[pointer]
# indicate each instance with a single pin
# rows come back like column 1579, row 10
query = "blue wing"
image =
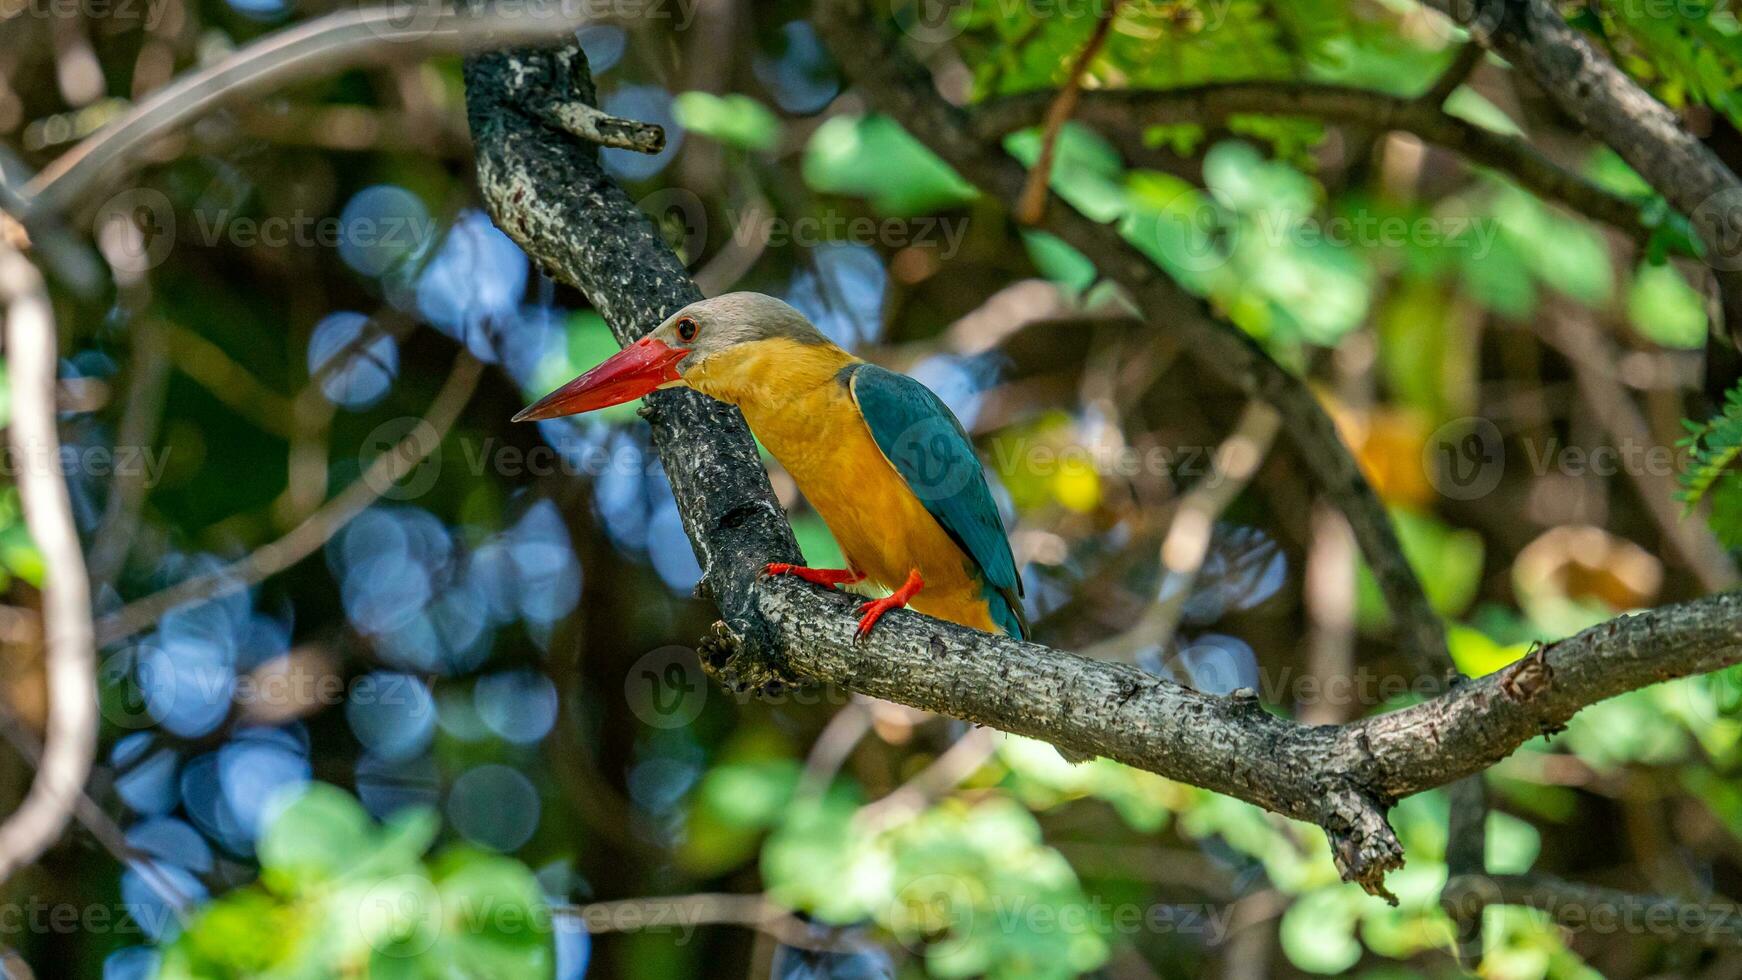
column 926, row 445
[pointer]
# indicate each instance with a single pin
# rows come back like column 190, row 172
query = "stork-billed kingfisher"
column 880, row 457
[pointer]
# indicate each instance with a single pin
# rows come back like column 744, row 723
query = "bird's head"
column 709, row 346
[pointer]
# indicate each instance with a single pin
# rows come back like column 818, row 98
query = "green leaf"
column 496, row 922
column 320, row 836
column 1058, row 261
column 1665, row 309
column 1318, row 931
column 1511, row 844
column 735, row 119
column 874, row 158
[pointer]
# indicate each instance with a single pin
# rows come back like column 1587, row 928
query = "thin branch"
column 70, row 663
column 1031, row 204
column 1188, row 538
column 834, row 744
column 229, row 382
column 944, row 774
column 314, row 531
column 101, row 826
column 1533, row 36
column 685, row 912
column 1592, row 357
column 1579, row 907
column 899, row 86
column 1456, row 74
column 316, row 49
column 1131, row 110
column 147, row 374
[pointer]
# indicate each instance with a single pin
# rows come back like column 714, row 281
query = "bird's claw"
column 870, row 612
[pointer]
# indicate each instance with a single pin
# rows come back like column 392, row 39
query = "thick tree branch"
column 1132, row 110
column 548, row 192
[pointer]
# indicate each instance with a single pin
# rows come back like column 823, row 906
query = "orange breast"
column 807, row 419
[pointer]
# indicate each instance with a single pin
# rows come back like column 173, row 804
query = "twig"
column 93, row 818
column 832, row 747
column 945, row 773
column 685, row 912
column 1456, row 73
column 1188, row 538
column 1716, row 923
column 147, row 373
column 1592, row 357
column 229, row 382
column 593, row 125
column 1466, row 854
column 318, row 48
column 314, row 531
column 1031, row 205
column 70, row 734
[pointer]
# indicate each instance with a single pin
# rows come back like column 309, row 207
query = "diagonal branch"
column 549, row 193
column 1031, row 206
column 320, row 47
column 317, row 528
column 1532, row 35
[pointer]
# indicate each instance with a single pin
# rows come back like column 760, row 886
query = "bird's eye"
column 686, row 329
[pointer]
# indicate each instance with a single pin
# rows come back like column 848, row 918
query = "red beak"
column 624, row 376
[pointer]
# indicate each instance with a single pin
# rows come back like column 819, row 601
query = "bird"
column 877, row 454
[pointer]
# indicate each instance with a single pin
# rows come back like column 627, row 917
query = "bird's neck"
column 769, row 376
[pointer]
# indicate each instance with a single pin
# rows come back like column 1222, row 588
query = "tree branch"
column 1031, row 205
column 70, row 661
column 318, row 48
column 1532, row 35
column 1580, row 907
column 314, row 531
column 1134, row 109
column 549, row 193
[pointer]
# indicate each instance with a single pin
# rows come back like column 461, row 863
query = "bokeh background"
column 467, row 733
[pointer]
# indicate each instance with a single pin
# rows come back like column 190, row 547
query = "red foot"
column 872, row 611
column 816, row 576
